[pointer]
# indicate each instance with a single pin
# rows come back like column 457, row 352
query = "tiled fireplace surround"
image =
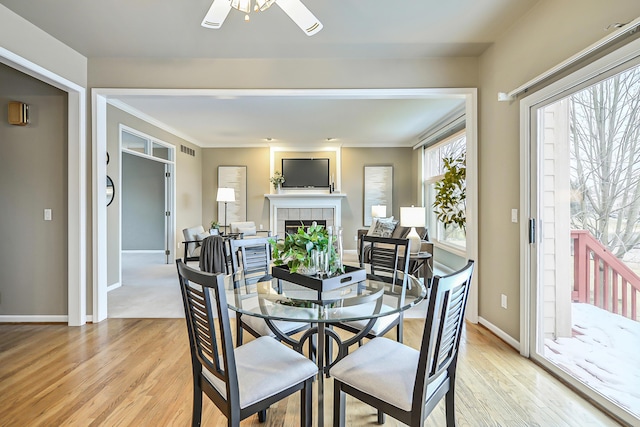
column 304, row 206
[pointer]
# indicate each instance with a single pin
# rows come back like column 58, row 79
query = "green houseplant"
column 295, row 250
column 450, row 198
column 215, row 226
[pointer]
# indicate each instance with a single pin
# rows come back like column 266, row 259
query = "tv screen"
column 304, row 173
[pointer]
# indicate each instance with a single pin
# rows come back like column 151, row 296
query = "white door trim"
column 76, row 181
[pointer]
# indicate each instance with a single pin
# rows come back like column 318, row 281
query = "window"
column 137, row 143
column 451, row 147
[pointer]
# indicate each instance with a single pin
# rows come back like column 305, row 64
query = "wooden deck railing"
column 601, row 279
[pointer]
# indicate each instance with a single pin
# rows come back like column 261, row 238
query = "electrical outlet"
column 47, row 214
column 355, row 238
column 260, row 226
column 514, row 215
column 503, row 301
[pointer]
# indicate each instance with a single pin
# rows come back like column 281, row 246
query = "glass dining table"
column 275, row 300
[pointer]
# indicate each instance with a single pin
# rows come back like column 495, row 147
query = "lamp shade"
column 226, row 195
column 412, row 217
column 378, row 211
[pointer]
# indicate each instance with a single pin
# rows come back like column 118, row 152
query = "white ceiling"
column 352, row 29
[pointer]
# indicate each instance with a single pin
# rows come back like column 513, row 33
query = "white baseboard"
column 36, row 318
column 500, row 333
column 143, row 251
column 114, row 286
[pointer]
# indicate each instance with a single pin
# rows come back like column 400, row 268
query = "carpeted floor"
column 150, row 289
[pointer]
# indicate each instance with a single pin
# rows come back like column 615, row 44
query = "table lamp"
column 225, row 195
column 413, row 217
column 378, row 211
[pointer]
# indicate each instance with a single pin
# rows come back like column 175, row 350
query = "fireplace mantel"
column 310, row 204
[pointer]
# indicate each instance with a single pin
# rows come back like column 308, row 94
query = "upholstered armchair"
column 247, row 229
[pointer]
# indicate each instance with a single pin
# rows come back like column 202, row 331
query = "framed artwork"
column 233, row 177
column 378, row 189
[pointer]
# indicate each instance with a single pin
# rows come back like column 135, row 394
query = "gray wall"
column 143, row 204
column 33, row 176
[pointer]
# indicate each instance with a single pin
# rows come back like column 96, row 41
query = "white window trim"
column 433, row 223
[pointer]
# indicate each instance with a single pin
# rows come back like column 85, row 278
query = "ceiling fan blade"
column 217, row 14
column 302, row 16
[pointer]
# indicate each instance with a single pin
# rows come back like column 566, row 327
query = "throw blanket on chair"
column 212, row 255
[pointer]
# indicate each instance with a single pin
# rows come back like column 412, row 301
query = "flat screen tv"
column 305, row 173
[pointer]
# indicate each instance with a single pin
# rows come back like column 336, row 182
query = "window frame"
column 436, row 227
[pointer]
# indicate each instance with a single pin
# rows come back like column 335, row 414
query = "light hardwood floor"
column 136, row 372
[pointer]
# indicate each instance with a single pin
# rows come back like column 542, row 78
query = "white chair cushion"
column 260, row 326
column 265, row 367
column 384, row 369
column 366, row 309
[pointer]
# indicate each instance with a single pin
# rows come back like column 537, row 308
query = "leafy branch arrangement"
column 277, row 179
column 450, row 200
column 295, row 249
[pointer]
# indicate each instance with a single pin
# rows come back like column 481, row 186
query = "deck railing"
column 601, row 279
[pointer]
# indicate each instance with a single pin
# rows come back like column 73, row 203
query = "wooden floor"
column 130, row 372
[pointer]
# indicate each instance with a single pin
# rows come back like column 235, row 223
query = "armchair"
column 247, row 229
column 193, row 237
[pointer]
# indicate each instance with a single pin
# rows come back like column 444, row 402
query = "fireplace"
column 291, row 226
column 304, row 207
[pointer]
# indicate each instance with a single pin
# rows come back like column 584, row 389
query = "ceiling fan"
column 297, row 11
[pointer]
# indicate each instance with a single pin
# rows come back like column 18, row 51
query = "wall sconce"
column 18, row 113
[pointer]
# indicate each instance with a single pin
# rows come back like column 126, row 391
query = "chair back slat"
column 443, row 329
column 250, row 255
column 387, row 256
column 209, row 336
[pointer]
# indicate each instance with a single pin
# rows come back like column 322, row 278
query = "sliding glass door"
column 584, row 251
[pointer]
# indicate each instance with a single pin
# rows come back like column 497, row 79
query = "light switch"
column 47, row 214
column 514, row 215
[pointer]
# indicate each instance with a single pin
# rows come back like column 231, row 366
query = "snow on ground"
column 604, row 353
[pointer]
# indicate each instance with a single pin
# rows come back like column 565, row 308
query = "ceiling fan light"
column 263, row 5
column 241, row 5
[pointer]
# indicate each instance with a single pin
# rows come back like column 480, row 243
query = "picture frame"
column 378, row 189
column 233, row 177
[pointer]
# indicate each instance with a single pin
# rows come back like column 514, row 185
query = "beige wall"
column 550, row 33
column 353, row 162
column 25, row 39
column 33, row 177
column 257, row 162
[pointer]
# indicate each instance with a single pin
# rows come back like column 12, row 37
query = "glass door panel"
column 587, row 176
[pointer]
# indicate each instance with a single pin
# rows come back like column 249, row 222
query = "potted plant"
column 296, row 249
column 450, row 200
column 277, row 180
column 214, row 229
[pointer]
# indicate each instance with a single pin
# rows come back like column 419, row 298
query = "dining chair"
column 387, row 263
column 410, row 388
column 253, row 258
column 243, row 381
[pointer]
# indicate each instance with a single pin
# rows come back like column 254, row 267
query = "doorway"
column 146, row 227
column 583, row 255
